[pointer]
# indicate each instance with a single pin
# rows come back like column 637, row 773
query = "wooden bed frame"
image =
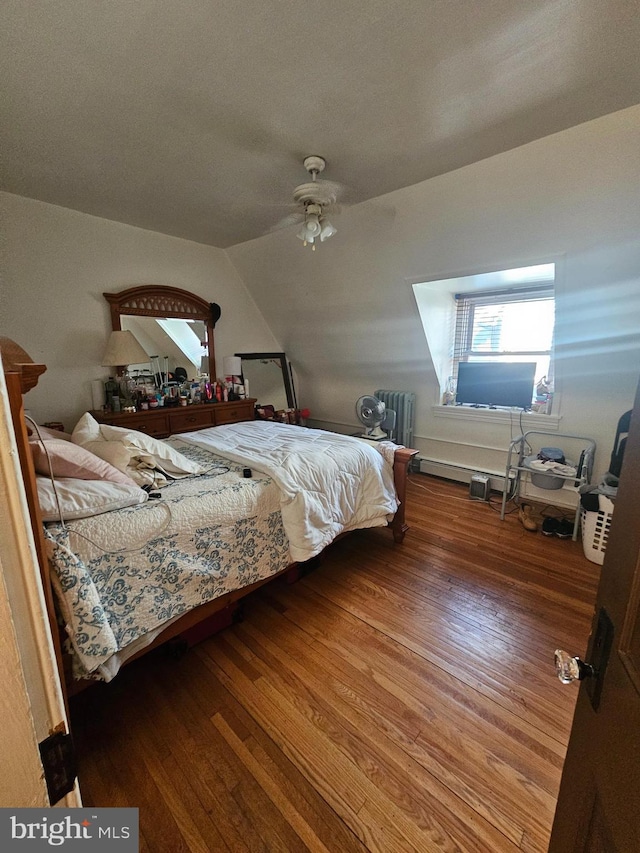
column 21, row 374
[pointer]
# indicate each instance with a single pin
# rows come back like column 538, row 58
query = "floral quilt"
column 120, row 577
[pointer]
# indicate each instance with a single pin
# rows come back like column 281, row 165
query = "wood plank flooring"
column 398, row 698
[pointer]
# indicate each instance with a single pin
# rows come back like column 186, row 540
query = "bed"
column 260, row 499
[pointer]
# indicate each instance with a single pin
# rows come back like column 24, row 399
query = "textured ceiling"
column 192, row 118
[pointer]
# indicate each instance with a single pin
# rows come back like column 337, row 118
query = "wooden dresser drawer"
column 152, row 426
column 191, row 418
column 231, row 413
column 165, row 421
column 152, row 423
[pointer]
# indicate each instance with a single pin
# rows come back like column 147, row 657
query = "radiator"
column 403, row 404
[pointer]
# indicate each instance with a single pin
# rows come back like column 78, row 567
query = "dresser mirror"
column 269, row 379
column 169, row 322
column 179, row 340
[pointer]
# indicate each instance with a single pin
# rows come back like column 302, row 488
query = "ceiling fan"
column 313, row 201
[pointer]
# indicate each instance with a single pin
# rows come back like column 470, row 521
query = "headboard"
column 22, row 374
column 156, row 300
column 16, row 360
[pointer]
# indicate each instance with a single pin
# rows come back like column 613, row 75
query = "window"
column 514, row 325
column 503, row 316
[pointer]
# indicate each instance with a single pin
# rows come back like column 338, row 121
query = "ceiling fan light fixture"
column 327, row 230
column 314, row 196
column 308, row 231
column 312, row 224
column 312, row 227
column 306, row 237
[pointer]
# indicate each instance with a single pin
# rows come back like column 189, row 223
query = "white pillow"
column 83, row 498
column 125, row 448
column 87, row 429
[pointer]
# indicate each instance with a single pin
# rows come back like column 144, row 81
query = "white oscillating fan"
column 373, row 414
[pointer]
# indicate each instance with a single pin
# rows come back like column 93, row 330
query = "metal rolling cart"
column 521, row 453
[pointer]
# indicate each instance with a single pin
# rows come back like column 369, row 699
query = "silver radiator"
column 403, row 404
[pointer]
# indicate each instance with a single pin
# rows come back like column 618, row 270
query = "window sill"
column 528, row 420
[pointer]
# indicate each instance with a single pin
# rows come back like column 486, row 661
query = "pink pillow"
column 70, row 460
column 46, row 434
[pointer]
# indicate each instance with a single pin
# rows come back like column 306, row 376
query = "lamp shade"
column 232, row 365
column 327, row 230
column 123, row 349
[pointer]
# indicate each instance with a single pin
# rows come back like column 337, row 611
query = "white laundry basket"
column 595, row 530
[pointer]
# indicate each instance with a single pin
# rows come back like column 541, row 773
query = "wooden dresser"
column 166, row 421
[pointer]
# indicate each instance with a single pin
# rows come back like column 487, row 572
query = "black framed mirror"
column 269, row 379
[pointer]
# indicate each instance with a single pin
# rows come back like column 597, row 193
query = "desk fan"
column 373, row 414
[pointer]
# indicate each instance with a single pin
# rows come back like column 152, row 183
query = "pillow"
column 127, row 448
column 87, row 429
column 46, row 434
column 84, row 498
column 71, row 460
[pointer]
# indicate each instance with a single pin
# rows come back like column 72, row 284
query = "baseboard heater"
column 459, row 473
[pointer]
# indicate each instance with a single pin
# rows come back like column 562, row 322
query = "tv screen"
column 498, row 384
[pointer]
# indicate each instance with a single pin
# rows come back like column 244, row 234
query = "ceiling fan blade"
column 331, row 187
column 282, row 205
column 317, row 197
column 292, row 219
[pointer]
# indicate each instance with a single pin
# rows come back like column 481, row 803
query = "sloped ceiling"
column 192, row 118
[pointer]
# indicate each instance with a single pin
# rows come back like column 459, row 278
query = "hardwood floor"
column 398, row 698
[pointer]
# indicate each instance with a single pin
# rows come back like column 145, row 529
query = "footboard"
column 402, row 459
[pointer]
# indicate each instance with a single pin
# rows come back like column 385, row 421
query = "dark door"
column 599, row 803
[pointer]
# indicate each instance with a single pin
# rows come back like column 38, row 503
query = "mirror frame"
column 284, row 364
column 157, row 300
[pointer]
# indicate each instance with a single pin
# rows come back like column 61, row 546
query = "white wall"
column 58, row 263
column 346, row 315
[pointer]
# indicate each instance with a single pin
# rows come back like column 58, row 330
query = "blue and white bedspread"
column 123, row 576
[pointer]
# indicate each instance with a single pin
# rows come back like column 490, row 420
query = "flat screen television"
column 507, row 384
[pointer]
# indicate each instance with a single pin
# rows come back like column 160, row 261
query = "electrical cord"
column 463, row 500
column 557, row 512
column 496, row 506
column 51, row 477
column 438, row 494
column 138, row 548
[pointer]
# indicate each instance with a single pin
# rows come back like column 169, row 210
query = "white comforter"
column 329, row 483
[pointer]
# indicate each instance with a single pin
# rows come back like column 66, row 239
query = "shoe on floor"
column 564, row 529
column 550, row 526
column 524, row 515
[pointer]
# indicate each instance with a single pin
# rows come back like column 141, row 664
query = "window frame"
column 466, row 304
